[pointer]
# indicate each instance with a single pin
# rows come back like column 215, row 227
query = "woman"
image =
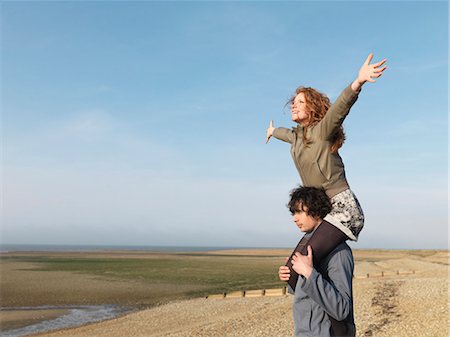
column 314, row 147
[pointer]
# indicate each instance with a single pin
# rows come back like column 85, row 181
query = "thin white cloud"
column 89, row 138
column 417, row 126
column 422, row 67
column 88, row 125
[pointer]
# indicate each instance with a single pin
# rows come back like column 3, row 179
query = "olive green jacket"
column 316, row 164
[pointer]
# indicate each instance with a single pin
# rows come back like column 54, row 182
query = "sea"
column 5, row 248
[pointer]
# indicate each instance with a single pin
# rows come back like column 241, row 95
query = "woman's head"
column 308, row 107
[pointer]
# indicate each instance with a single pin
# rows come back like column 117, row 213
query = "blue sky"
column 144, row 122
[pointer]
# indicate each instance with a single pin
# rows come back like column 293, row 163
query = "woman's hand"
column 284, row 273
column 368, row 72
column 269, row 131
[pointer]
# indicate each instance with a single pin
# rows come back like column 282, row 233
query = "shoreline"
column 35, row 320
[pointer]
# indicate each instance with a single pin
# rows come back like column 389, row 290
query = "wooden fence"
column 251, row 293
column 283, row 291
column 386, row 274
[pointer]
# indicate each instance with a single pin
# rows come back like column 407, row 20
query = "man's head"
column 308, row 206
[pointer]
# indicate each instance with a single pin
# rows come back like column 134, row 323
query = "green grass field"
column 50, row 280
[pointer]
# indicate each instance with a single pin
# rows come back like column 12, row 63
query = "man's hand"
column 284, row 273
column 302, row 264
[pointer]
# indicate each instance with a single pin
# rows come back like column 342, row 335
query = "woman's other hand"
column 269, row 131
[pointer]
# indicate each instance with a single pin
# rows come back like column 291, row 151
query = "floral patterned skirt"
column 346, row 214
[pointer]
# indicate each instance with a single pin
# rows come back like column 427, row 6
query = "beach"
column 396, row 293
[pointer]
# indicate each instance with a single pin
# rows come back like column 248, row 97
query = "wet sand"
column 18, row 318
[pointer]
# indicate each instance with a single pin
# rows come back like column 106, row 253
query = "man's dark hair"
column 314, row 199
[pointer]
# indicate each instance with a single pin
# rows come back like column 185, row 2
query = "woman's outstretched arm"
column 368, row 72
column 341, row 107
column 269, row 132
column 284, row 134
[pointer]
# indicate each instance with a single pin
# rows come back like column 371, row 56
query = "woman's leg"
column 324, row 239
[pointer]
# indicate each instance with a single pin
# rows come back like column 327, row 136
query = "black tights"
column 325, row 238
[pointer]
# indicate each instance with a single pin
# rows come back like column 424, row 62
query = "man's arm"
column 335, row 295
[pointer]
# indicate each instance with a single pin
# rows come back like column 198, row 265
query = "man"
column 323, row 300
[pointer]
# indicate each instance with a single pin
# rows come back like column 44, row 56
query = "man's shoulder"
column 343, row 246
column 342, row 251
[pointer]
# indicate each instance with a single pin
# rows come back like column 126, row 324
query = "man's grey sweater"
column 328, row 292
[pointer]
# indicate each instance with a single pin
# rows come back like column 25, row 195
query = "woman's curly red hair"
column 318, row 105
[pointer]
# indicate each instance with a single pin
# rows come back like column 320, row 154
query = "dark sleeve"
column 333, row 296
column 337, row 112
